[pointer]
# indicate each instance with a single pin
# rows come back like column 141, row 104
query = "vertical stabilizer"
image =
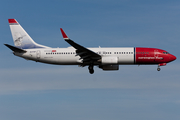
column 21, row 38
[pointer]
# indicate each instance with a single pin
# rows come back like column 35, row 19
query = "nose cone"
column 172, row 58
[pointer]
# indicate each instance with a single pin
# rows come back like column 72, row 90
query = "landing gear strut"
column 158, row 69
column 91, row 70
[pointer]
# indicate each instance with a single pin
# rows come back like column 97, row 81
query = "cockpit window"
column 165, row 52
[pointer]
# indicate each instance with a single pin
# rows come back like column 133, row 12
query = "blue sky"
column 30, row 90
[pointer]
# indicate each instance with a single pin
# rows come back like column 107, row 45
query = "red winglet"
column 64, row 34
column 12, row 21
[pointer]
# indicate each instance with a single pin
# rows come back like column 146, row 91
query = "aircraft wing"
column 84, row 53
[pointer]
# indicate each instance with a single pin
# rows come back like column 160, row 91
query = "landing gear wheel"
column 158, row 69
column 91, row 70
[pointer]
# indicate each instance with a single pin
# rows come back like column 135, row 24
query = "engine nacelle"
column 109, row 67
column 109, row 60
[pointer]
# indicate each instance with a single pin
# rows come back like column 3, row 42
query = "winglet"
column 64, row 34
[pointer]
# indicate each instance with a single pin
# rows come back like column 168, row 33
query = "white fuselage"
column 67, row 56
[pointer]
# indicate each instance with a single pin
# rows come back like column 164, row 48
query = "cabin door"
column 38, row 54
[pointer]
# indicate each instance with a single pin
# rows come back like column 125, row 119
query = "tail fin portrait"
column 21, row 38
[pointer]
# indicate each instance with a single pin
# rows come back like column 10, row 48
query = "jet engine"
column 109, row 60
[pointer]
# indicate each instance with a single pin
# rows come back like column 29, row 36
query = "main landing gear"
column 91, row 70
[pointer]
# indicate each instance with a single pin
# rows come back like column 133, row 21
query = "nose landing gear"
column 158, row 69
column 161, row 64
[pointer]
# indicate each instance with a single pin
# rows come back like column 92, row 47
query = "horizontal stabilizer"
column 15, row 49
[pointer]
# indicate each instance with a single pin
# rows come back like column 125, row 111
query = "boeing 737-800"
column 104, row 58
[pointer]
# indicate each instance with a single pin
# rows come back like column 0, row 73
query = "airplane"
column 105, row 58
